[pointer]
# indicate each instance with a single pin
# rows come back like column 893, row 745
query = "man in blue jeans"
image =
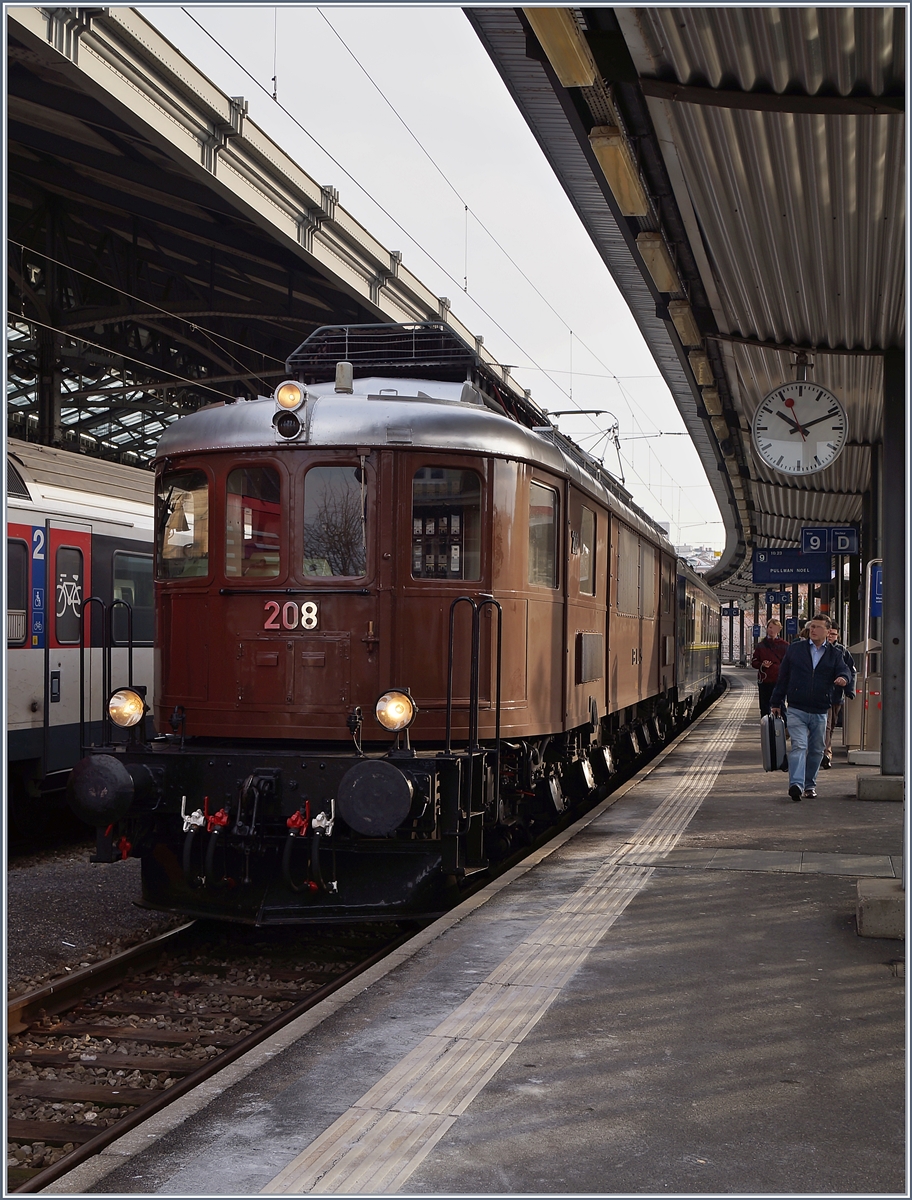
column 809, row 673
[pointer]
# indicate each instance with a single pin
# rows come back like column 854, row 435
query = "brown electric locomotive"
column 402, row 625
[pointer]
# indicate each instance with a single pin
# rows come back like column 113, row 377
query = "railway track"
column 95, row 1054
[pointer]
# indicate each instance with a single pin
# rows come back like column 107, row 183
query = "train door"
column 667, row 623
column 585, row 613
column 69, row 583
column 442, row 552
column 544, row 584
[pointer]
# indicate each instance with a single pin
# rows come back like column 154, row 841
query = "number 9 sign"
column 814, row 540
column 290, row 615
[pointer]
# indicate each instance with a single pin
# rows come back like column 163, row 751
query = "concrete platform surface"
column 670, row 998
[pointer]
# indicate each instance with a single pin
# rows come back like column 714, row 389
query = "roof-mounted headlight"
column 290, row 395
column 395, row 710
column 126, row 708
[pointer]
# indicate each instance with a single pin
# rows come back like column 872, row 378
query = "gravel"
column 64, row 911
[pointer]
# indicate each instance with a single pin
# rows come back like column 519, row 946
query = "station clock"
column 799, row 428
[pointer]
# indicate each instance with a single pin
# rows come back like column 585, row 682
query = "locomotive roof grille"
column 416, row 350
column 432, row 349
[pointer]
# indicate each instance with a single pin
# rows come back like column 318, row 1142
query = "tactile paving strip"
column 375, row 1146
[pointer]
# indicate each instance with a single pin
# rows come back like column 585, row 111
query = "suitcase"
column 772, row 742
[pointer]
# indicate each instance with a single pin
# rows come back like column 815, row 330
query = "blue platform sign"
column 790, row 566
column 730, row 612
column 755, row 631
column 877, row 590
column 844, row 540
column 829, row 539
column 774, row 598
column 815, row 540
column 791, row 626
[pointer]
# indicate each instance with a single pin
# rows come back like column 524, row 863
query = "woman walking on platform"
column 768, row 654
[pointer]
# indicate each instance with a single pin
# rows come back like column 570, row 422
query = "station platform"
column 669, row 998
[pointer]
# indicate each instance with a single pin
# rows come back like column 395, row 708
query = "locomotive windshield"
column 252, row 523
column 446, row 524
column 335, row 521
column 182, row 524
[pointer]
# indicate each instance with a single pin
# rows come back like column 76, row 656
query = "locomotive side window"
column 182, row 524
column 17, row 561
column 253, row 516
column 133, row 584
column 68, row 590
column 542, row 536
column 628, row 562
column 335, row 521
column 446, row 524
column 587, row 553
column 647, row 581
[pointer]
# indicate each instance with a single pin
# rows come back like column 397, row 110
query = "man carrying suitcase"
column 808, row 676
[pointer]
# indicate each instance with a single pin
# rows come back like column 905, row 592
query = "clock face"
column 799, row 428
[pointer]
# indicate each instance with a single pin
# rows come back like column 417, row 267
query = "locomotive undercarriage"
column 274, row 834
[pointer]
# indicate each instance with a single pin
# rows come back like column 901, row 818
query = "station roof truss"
column 741, row 171
column 163, row 252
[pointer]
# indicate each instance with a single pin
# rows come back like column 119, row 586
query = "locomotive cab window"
column 446, row 524
column 182, row 522
column 335, row 521
column 542, row 536
column 17, row 587
column 253, row 523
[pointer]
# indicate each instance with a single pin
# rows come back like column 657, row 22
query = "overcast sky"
column 341, row 71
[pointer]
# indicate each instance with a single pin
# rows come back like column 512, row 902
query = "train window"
column 628, row 578
column 133, row 584
column 182, row 522
column 17, row 586
column 335, row 519
column 253, row 516
column 647, row 581
column 587, row 553
column 68, row 576
column 446, row 524
column 668, row 583
column 542, row 536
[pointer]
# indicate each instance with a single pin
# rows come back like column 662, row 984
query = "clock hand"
column 791, row 421
column 816, row 421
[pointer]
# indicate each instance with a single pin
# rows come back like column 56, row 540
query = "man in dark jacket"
column 808, row 675
column 768, row 654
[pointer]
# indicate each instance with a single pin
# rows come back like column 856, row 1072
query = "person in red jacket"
column 768, row 654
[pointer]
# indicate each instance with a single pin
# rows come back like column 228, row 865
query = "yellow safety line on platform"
column 375, row 1146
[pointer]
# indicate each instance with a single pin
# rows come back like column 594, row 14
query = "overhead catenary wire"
column 411, row 238
column 368, row 194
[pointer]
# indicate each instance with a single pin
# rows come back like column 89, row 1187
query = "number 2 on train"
column 290, row 616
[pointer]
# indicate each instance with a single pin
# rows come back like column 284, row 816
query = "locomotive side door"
column 586, row 608
column 443, row 552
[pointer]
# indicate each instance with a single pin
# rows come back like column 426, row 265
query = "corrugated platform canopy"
column 742, row 172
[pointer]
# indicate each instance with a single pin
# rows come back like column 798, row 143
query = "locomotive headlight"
column 395, row 710
column 126, row 708
column 289, row 395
